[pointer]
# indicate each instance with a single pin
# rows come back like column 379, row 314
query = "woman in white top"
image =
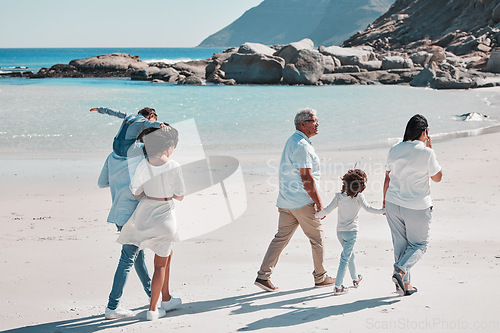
column 157, row 181
column 410, row 166
column 349, row 201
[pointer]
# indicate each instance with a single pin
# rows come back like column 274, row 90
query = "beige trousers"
column 289, row 220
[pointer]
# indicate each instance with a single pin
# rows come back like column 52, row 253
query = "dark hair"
column 157, row 141
column 146, row 112
column 354, row 182
column 416, row 125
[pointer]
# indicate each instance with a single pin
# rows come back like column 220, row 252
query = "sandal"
column 400, row 286
column 340, row 291
column 355, row 283
column 411, row 291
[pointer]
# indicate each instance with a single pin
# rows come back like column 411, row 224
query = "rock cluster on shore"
column 423, row 43
column 300, row 63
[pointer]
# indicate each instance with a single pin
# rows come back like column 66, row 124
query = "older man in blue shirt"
column 298, row 201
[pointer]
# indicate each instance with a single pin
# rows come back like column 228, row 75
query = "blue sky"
column 115, row 23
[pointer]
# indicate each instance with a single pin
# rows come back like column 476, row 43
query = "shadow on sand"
column 238, row 304
column 305, row 315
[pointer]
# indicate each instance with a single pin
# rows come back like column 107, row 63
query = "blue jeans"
column 347, row 239
column 130, row 256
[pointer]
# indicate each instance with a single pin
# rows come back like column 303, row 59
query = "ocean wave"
column 455, row 134
column 13, row 67
column 15, row 136
column 170, row 61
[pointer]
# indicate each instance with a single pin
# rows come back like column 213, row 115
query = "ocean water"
column 52, row 115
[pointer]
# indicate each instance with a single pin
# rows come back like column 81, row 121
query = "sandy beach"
column 58, row 254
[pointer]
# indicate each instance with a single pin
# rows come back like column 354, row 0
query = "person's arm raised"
column 110, row 112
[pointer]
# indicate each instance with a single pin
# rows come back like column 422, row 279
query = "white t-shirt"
column 348, row 210
column 411, row 164
column 158, row 181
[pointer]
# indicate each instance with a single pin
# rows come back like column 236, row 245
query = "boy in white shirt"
column 349, row 201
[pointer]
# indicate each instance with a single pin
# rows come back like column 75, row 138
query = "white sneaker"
column 153, row 315
column 172, row 304
column 117, row 313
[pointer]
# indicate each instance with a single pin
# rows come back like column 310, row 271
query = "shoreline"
column 251, row 150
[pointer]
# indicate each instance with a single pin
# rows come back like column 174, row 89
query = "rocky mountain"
column 325, row 22
column 460, row 26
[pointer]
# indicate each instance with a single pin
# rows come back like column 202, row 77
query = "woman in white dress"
column 157, row 182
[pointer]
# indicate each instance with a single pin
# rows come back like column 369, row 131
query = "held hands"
column 319, row 208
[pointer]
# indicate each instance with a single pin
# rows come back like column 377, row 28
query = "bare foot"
column 408, row 286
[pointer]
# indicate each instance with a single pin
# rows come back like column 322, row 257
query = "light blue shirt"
column 298, row 153
column 116, row 174
column 138, row 122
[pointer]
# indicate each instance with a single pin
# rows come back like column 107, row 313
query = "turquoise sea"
column 39, row 116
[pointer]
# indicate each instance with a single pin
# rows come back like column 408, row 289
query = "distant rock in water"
column 107, row 65
column 472, row 116
column 325, row 22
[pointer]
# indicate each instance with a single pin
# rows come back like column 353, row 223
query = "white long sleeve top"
column 348, row 210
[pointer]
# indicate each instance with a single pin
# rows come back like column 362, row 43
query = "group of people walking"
column 407, row 204
column 145, row 181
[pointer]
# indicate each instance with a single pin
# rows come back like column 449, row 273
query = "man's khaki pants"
column 289, row 220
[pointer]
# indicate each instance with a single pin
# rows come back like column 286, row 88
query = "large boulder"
column 338, row 79
column 306, row 67
column 114, row 64
column 58, row 70
column 396, row 62
column 438, row 54
column 253, row 68
column 390, row 78
column 348, row 69
column 494, row 61
column 195, row 67
column 328, row 64
column 349, row 55
column 463, row 45
column 256, row 48
column 144, row 74
column 451, row 83
column 372, row 65
column 425, row 77
column 192, row 80
column 421, row 58
column 166, row 74
column 289, row 51
column 368, row 78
